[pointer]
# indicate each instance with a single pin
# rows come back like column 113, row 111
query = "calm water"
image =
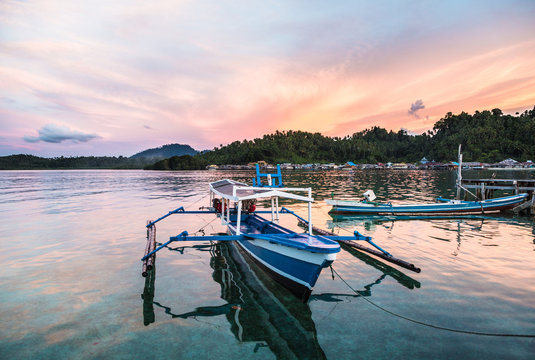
column 70, row 284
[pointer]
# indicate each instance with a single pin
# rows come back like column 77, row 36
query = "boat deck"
column 259, row 228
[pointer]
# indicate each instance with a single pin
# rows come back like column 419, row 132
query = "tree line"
column 486, row 136
column 21, row 162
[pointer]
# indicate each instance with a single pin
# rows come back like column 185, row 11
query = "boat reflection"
column 258, row 309
column 371, row 221
column 386, row 269
column 457, row 224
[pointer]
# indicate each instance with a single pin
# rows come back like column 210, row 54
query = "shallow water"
column 70, row 285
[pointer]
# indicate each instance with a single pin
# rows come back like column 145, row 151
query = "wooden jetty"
column 485, row 188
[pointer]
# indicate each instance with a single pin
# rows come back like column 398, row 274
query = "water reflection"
column 387, row 270
column 369, row 221
column 485, row 226
column 258, row 310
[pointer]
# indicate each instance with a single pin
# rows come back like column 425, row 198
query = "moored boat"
column 293, row 259
column 443, row 207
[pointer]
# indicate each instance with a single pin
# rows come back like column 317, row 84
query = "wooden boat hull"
column 448, row 207
column 294, row 268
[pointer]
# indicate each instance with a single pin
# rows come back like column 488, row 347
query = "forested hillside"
column 21, row 162
column 487, row 136
column 166, row 151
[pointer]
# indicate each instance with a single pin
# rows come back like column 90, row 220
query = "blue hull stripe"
column 473, row 207
column 305, row 272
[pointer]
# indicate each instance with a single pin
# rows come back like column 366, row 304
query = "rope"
column 427, row 324
column 201, row 230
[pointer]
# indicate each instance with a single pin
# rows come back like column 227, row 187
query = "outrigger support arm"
column 181, row 210
column 368, row 239
column 358, row 236
column 183, row 236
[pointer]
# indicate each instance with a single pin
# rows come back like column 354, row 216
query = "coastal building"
column 509, row 163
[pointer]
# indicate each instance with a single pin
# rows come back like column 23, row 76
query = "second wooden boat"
column 443, row 207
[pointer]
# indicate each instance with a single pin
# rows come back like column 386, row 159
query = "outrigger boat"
column 442, row 208
column 295, row 260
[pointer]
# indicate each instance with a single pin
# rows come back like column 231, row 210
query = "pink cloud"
column 206, row 75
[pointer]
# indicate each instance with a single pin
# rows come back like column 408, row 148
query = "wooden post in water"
column 152, row 241
column 151, row 245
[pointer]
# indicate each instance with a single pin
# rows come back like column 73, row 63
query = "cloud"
column 418, row 105
column 53, row 133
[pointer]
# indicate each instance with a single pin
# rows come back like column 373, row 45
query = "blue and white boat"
column 441, row 208
column 293, row 259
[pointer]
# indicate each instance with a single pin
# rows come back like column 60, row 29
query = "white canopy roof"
column 237, row 191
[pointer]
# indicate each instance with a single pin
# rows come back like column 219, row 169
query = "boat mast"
column 459, row 174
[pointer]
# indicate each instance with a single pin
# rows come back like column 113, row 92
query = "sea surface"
column 71, row 284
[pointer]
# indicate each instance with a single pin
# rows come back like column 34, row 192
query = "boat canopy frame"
column 236, row 192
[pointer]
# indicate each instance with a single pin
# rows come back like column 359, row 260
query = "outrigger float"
column 295, row 260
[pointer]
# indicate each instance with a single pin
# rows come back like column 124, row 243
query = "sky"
column 118, row 77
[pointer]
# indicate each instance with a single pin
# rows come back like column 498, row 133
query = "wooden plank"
column 488, row 187
column 523, row 206
column 498, row 180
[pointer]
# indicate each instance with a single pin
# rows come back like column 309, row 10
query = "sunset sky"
column 117, row 77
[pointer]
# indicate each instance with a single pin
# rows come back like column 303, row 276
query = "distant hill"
column 138, row 161
column 166, row 151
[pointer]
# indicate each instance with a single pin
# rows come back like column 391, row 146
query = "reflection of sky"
column 143, row 74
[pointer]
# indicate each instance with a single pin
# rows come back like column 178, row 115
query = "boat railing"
column 273, row 180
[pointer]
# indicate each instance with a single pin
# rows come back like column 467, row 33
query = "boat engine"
column 369, row 195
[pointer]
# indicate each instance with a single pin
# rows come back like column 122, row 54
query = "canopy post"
column 228, row 211
column 310, row 212
column 238, row 220
column 223, row 211
column 272, row 209
column 277, row 209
